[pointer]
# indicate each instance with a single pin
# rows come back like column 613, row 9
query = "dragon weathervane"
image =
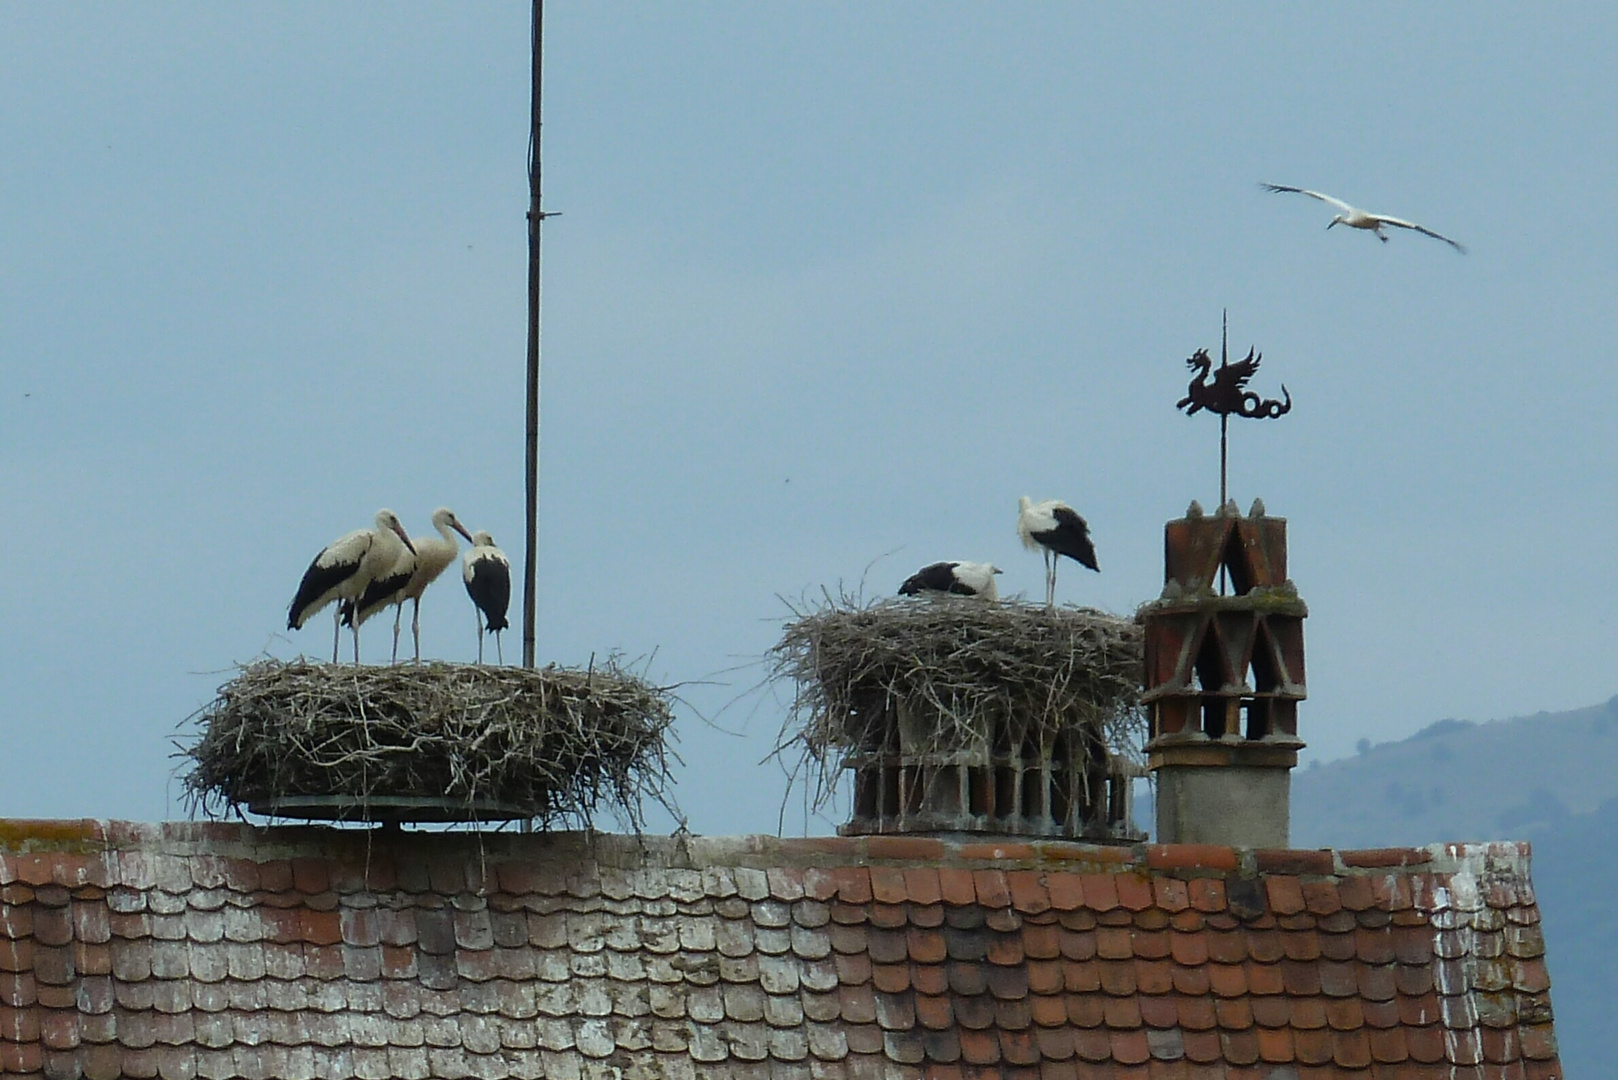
column 1223, row 390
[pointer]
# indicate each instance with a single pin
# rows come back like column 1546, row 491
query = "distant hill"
column 1456, row 780
column 1552, row 779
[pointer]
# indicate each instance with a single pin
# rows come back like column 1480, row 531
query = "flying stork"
column 343, row 569
column 487, row 574
column 1054, row 528
column 960, row 578
column 432, row 555
column 1355, row 218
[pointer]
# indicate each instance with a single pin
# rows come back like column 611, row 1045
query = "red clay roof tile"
column 1081, row 976
column 1114, row 943
column 1153, row 976
column 1100, row 891
column 1048, row 1010
column 1170, row 894
column 980, row 1047
column 1158, row 1012
column 1013, row 1014
column 922, row 885
column 1150, row 944
column 1078, row 945
column 955, row 885
column 1272, row 1012
column 1134, row 890
column 853, row 884
column 1191, row 980
column 1028, row 891
column 1289, row 861
column 1066, row 891
column 1285, row 894
column 1121, row 1013
column 991, row 888
column 1227, row 980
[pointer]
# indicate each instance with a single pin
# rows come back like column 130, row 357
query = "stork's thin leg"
column 500, row 654
column 398, row 613
column 415, row 624
column 356, row 625
column 336, row 630
column 478, row 614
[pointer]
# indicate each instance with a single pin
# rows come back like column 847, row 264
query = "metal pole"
column 536, row 218
column 1224, row 433
column 1224, row 438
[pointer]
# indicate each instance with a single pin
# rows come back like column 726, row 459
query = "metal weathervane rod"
column 1224, row 417
column 536, row 218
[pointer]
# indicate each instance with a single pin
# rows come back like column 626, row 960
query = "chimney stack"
column 1224, row 675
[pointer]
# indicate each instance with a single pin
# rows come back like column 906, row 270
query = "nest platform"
column 431, row 743
column 959, row 715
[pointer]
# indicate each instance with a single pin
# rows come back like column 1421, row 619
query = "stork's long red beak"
column 462, row 530
column 405, row 537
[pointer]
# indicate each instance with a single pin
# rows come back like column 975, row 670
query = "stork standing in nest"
column 487, row 574
column 342, row 571
column 1055, row 529
column 409, row 578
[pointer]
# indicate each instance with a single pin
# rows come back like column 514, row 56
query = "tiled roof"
column 227, row 950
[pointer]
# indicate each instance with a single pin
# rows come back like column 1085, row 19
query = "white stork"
column 487, row 574
column 1355, row 218
column 342, row 571
column 1055, row 529
column 961, row 578
column 432, row 555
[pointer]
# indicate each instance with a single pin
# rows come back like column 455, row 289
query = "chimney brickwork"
column 1224, row 675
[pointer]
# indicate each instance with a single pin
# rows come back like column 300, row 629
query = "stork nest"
column 960, row 674
column 555, row 744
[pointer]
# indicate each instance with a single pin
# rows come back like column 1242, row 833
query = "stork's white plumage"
column 1055, row 529
column 385, row 590
column 343, row 569
column 960, row 578
column 1355, row 218
column 487, row 574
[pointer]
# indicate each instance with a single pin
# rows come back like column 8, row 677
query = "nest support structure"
column 432, row 742
column 956, row 715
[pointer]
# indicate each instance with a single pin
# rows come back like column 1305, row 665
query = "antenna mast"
column 536, row 218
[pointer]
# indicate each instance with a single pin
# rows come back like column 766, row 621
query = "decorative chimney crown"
column 1224, row 675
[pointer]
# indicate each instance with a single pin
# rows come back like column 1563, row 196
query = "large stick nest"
column 554, row 743
column 970, row 671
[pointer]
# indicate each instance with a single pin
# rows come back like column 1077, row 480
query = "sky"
column 834, row 284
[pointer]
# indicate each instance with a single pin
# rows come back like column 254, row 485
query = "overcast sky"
column 834, row 284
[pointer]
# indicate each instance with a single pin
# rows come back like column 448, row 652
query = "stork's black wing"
column 489, row 585
column 937, row 577
column 379, row 593
column 1071, row 537
column 324, row 574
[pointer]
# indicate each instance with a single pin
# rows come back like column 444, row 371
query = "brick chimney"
column 1224, row 675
